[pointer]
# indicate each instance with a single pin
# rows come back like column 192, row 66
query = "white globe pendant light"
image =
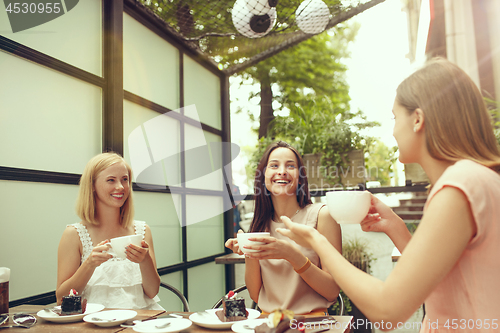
column 312, row 16
column 261, row 7
column 250, row 25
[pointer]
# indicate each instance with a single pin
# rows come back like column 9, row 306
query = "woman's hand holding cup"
column 380, row 217
column 248, row 240
column 137, row 253
column 232, row 243
column 99, row 254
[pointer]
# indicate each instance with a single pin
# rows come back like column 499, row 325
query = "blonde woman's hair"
column 457, row 122
column 85, row 204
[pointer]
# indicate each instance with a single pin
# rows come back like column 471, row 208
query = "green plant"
column 411, row 226
column 356, row 252
column 256, row 155
column 335, row 308
column 319, row 125
column 380, row 162
column 494, row 108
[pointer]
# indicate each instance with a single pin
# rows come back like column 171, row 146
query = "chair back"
column 341, row 304
column 237, row 290
column 178, row 293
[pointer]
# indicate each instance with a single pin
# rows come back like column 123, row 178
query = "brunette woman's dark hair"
column 264, row 209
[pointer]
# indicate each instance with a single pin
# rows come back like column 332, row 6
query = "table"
column 231, row 258
column 43, row 326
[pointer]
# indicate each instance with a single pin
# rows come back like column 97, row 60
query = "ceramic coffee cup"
column 348, row 207
column 117, row 245
column 243, row 240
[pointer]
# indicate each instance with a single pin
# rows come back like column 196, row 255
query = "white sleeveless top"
column 116, row 283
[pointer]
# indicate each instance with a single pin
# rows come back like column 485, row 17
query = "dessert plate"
column 54, row 317
column 248, row 326
column 176, row 325
column 110, row 318
column 209, row 319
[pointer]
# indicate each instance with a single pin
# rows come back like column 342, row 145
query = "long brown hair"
column 264, row 209
column 457, row 123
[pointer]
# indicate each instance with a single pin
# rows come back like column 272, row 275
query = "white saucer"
column 251, row 323
column 176, row 325
column 209, row 319
column 54, row 317
column 110, row 318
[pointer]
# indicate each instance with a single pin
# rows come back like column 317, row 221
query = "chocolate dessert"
column 234, row 308
column 73, row 304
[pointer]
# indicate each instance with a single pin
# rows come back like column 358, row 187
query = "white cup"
column 348, row 207
column 243, row 240
column 117, row 245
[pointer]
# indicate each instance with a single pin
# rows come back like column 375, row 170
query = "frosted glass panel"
column 206, row 286
column 202, row 88
column 75, row 37
column 205, row 230
column 33, row 218
column 150, row 65
column 49, row 121
column 158, row 210
column 168, row 300
column 203, row 169
column 151, row 145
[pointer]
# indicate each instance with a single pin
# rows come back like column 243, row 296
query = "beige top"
column 282, row 287
column 468, row 298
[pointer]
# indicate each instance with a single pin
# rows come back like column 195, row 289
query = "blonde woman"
column 105, row 207
column 451, row 262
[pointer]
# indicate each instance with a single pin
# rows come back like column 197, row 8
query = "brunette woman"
column 285, row 275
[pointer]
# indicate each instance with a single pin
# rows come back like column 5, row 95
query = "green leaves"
column 494, row 108
column 380, row 162
column 309, row 83
column 318, row 125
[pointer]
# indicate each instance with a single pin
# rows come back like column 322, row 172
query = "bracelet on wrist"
column 304, row 267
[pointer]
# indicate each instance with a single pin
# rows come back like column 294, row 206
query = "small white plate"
column 176, row 325
column 238, row 327
column 54, row 317
column 110, row 318
column 209, row 319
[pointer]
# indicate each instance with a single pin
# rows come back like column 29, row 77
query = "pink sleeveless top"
column 468, row 298
column 282, row 287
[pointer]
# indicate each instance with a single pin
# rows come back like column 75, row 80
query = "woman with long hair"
column 105, row 207
column 451, row 262
column 284, row 275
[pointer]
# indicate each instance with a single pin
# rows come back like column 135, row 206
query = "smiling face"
column 112, row 186
column 282, row 172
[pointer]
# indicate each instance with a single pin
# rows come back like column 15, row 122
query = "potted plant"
column 329, row 142
column 328, row 138
column 356, row 252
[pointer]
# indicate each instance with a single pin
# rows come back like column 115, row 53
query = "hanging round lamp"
column 312, row 16
column 261, row 7
column 250, row 25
